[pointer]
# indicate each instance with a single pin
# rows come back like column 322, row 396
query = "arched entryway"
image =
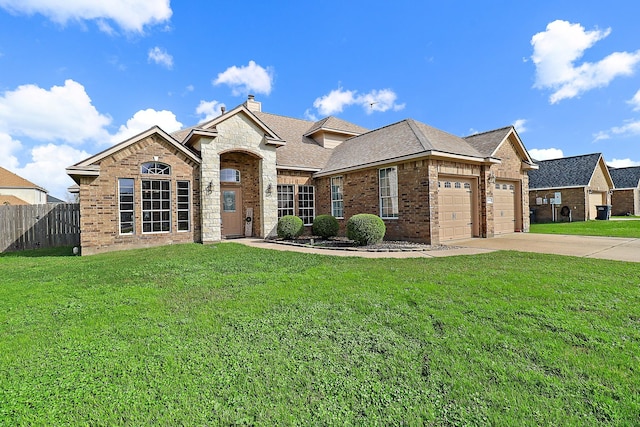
column 240, row 194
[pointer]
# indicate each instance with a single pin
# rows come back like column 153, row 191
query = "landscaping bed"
column 343, row 243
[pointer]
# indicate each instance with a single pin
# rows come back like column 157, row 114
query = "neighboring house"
column 54, row 200
column 625, row 199
column 583, row 182
column 238, row 173
column 21, row 191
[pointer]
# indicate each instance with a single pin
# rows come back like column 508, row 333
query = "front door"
column 231, row 201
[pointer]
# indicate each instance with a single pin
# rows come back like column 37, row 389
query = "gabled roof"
column 300, row 151
column 11, row 200
column 573, row 171
column 90, row 166
column 488, row 143
column 334, row 124
column 271, row 137
column 626, row 177
column 9, row 179
column 404, row 139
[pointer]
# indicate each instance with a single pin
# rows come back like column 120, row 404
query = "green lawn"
column 626, row 228
column 231, row 335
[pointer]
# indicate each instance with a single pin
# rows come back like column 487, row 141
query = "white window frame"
column 156, row 210
column 337, row 196
column 122, row 202
column 388, row 191
column 286, row 200
column 306, row 203
column 155, row 168
column 229, row 175
column 183, row 205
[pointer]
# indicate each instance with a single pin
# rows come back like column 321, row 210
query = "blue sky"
column 77, row 76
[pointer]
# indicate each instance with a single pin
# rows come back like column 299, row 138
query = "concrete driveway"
column 615, row 248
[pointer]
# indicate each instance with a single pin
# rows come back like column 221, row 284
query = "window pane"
column 156, row 206
column 126, row 206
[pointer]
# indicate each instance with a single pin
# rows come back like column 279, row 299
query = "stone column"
column 210, row 192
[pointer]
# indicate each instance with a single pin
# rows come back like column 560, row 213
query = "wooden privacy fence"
column 39, row 226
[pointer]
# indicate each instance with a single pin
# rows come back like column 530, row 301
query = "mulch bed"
column 342, row 243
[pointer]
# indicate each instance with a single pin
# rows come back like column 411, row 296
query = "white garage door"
column 504, row 207
column 455, row 196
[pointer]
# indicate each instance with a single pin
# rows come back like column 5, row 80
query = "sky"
column 77, row 76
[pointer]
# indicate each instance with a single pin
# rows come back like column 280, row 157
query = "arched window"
column 230, row 175
column 155, row 168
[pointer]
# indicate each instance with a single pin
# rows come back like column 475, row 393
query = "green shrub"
column 325, row 226
column 365, row 229
column 290, row 227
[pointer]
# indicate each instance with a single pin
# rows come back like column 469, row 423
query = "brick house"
column 583, row 182
column 238, row 173
column 15, row 190
column 625, row 199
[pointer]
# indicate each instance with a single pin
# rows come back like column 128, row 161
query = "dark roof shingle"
column 626, row 177
column 573, row 171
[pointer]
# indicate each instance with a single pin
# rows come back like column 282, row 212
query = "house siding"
column 99, row 212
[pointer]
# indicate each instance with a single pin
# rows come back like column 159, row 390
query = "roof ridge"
column 489, row 131
column 422, row 138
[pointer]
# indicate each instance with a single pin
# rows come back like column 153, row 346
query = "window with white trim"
column 125, row 205
column 184, row 205
column 285, row 200
column 388, row 182
column 155, row 168
column 306, row 204
column 230, row 175
column 337, row 197
column 156, row 206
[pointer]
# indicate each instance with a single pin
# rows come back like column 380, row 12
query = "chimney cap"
column 251, row 97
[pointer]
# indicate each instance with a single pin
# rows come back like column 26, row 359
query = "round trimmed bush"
column 365, row 229
column 325, row 226
column 290, row 227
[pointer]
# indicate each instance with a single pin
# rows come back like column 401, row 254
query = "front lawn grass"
column 610, row 228
column 231, row 335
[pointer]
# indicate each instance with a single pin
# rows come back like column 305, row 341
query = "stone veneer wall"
column 237, row 133
column 99, row 209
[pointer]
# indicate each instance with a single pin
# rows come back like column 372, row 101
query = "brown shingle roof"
column 11, row 200
column 487, row 142
column 398, row 140
column 335, row 124
column 299, row 151
column 10, row 179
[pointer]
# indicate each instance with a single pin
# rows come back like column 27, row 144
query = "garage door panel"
column 455, row 208
column 504, row 212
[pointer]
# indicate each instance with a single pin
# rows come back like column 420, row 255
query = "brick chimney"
column 252, row 104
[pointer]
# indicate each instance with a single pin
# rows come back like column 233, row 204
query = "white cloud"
column 376, row 100
column 520, row 125
column 47, row 167
column 130, row 15
column 635, row 101
column 8, row 147
column 334, row 102
column 629, row 128
column 160, row 57
column 62, row 113
column 244, row 80
column 145, row 119
column 622, row 163
column 557, row 48
column 379, row 100
column 545, row 153
column 208, row 110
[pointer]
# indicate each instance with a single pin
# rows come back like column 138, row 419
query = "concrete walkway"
column 613, row 248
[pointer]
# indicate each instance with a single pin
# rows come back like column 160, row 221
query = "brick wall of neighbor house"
column 625, row 202
column 574, row 198
column 99, row 214
column 249, row 167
